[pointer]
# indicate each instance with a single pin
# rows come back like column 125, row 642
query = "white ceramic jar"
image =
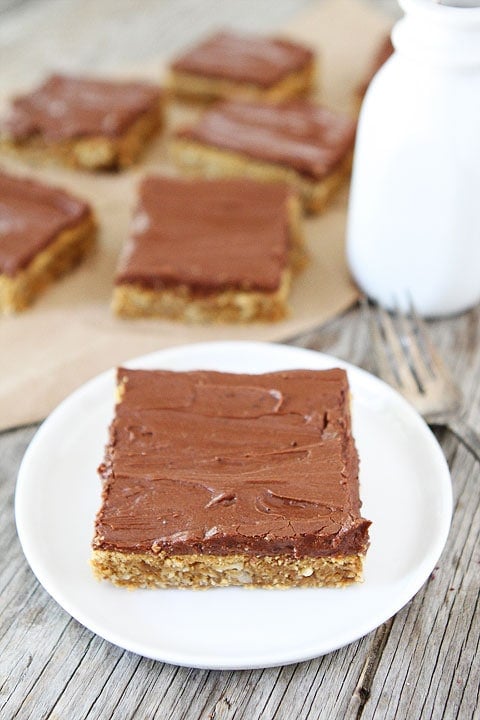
column 414, row 213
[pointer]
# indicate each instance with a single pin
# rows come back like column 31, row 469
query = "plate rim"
column 208, row 662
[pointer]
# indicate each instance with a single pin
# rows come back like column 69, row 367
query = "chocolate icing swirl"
column 244, row 58
column 299, row 134
column 31, row 216
column 208, row 234
column 217, row 463
column 67, row 107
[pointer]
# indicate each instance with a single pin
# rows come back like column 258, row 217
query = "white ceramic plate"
column 406, row 491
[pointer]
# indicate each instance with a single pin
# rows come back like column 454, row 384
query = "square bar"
column 214, row 479
column 300, row 143
column 84, row 122
column 244, row 67
column 44, row 233
column 209, row 251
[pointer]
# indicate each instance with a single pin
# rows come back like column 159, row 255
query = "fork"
column 408, row 360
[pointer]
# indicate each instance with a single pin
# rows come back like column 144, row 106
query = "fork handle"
column 466, row 434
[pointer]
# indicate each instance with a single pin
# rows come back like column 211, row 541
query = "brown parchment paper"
column 70, row 335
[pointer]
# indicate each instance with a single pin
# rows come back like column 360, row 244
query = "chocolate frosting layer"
column 207, row 234
column 31, row 216
column 220, row 463
column 66, row 107
column 251, row 59
column 297, row 134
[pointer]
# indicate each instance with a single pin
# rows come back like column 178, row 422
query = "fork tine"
column 408, row 360
column 420, row 364
column 384, row 366
column 435, row 363
column 402, row 366
column 392, row 362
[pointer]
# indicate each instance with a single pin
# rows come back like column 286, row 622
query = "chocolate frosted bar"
column 83, row 121
column 301, row 143
column 232, row 65
column 221, row 479
column 382, row 54
column 44, row 232
column 209, row 251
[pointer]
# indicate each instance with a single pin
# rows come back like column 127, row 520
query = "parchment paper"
column 70, row 334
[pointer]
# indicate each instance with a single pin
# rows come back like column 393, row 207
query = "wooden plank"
column 421, row 664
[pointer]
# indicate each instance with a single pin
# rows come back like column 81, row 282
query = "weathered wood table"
column 423, row 663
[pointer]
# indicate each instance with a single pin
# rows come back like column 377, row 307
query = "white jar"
column 414, row 213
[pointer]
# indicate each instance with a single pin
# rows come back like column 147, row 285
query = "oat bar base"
column 92, row 153
column 147, row 570
column 207, row 161
column 181, row 303
column 234, row 305
column 192, row 86
column 58, row 258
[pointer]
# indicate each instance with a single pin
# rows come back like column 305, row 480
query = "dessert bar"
column 83, row 122
column 44, row 232
column 300, row 143
column 214, row 479
column 383, row 53
column 239, row 66
column 209, row 251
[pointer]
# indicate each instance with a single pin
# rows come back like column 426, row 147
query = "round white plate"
column 406, row 491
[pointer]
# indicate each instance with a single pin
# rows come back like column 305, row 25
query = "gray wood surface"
column 423, row 663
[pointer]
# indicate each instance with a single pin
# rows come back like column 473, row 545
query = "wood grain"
column 423, row 663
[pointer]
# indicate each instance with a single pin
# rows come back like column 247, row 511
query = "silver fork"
column 408, row 360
